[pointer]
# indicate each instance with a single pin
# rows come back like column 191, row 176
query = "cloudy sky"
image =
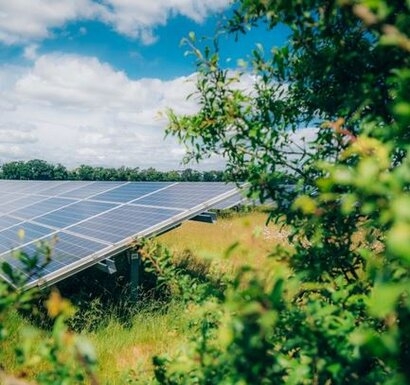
column 84, row 81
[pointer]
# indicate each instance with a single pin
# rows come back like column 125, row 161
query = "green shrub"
column 340, row 313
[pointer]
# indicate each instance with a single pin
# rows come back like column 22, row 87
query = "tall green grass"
column 127, row 335
column 125, row 352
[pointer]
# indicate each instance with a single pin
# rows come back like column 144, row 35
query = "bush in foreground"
column 339, row 312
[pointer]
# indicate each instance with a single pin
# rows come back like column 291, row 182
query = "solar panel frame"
column 105, row 249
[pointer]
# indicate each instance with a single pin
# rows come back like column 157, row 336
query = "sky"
column 85, row 81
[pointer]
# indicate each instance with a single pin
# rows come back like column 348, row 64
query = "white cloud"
column 30, row 51
column 138, row 19
column 13, row 152
column 20, row 23
column 73, row 109
column 20, row 134
column 83, row 111
column 11, row 136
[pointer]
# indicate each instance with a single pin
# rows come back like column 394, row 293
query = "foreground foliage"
column 339, row 313
column 58, row 357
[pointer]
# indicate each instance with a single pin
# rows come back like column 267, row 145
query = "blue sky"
column 83, row 81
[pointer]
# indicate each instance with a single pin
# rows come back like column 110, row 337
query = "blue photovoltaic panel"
column 130, row 191
column 87, row 222
column 20, row 202
column 184, row 195
column 62, row 187
column 233, row 201
column 66, row 249
column 9, row 197
column 10, row 238
column 91, row 189
column 6, row 221
column 32, row 187
column 13, row 186
column 7, row 187
column 42, row 185
column 25, row 186
column 74, row 213
column 39, row 208
column 122, row 222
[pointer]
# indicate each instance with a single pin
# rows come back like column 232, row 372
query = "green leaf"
column 398, row 241
column 384, row 299
column 6, row 267
column 305, row 203
column 192, row 36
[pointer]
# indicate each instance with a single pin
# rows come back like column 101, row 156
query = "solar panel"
column 10, row 238
column 91, row 189
column 6, row 221
column 182, row 196
column 87, row 222
column 73, row 213
column 51, row 189
column 20, row 202
column 131, row 191
column 118, row 224
column 233, row 201
column 39, row 208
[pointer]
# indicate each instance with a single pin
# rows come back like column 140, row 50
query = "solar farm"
column 89, row 222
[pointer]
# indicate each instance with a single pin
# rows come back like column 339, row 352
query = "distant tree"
column 190, row 175
column 123, row 173
column 150, row 174
column 60, row 172
column 213, row 176
column 38, row 169
column 35, row 169
column 112, row 174
column 12, row 170
column 173, row 176
column 103, row 173
column 84, row 172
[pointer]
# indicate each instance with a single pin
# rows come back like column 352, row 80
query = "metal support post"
column 135, row 267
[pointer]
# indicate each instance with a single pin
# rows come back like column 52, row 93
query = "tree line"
column 38, row 169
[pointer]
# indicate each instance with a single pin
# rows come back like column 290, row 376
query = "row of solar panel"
column 103, row 222
column 75, row 189
column 61, row 212
column 82, row 238
column 106, row 191
column 51, row 187
column 113, row 213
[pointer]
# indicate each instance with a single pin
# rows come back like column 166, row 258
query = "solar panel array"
column 91, row 221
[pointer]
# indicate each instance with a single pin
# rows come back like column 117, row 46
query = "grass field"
column 125, row 349
column 252, row 238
